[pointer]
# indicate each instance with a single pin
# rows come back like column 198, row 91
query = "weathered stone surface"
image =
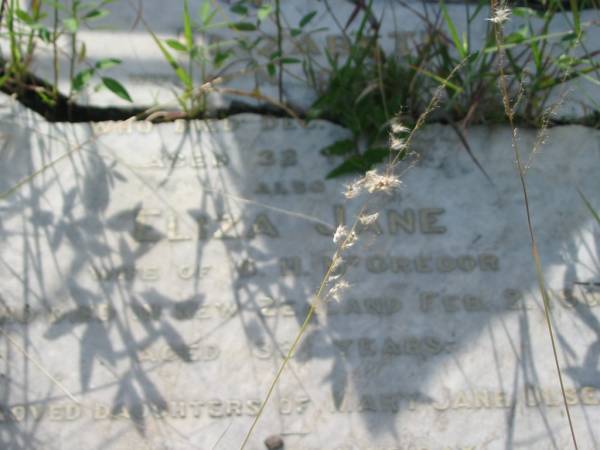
column 153, row 276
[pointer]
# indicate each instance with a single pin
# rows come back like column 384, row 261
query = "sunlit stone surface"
column 154, row 275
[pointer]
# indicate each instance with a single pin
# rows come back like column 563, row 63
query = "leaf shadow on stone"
column 333, row 338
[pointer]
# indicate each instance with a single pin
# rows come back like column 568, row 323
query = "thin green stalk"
column 15, row 54
column 73, row 54
column 30, row 40
column 55, row 64
column 279, row 50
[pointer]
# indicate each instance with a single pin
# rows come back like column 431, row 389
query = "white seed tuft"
column 397, row 144
column 336, row 263
column 340, row 234
column 398, row 128
column 501, row 15
column 350, row 240
column 353, row 190
column 338, row 289
column 375, row 182
column 368, row 219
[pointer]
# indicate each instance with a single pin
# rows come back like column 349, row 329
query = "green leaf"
column 569, row 37
column 307, row 18
column 107, row 63
column 576, row 17
column 271, row 69
column 341, row 147
column 176, row 45
column 47, row 99
column 82, row 78
column 517, row 36
column 438, row 79
column 45, row 35
column 179, row 71
column 353, row 164
column 24, row 17
column 71, row 24
column 56, row 5
column 187, row 25
column 239, row 8
column 360, row 163
column 290, row 61
column 242, row 26
column 374, row 156
column 96, row 14
column 295, row 32
column 82, row 53
column 453, row 33
column 221, row 57
column 264, row 11
column 206, row 14
column 116, row 88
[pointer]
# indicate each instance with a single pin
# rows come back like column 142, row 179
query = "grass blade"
column 589, row 207
column 179, row 71
column 187, row 26
column 453, row 32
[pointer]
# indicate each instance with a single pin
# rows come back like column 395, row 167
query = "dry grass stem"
column 509, row 112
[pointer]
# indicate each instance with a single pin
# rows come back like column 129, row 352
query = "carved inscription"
column 478, row 399
column 427, row 302
column 215, row 408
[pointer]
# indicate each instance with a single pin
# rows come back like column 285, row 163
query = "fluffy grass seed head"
column 350, row 240
column 398, row 128
column 368, row 219
column 340, row 234
column 501, row 14
column 397, row 144
column 353, row 190
column 376, row 182
column 373, row 182
column 344, row 238
column 338, row 289
column 336, row 264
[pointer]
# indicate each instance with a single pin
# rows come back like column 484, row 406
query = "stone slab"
column 154, row 275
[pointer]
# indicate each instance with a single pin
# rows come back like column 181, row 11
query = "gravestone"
column 154, row 276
